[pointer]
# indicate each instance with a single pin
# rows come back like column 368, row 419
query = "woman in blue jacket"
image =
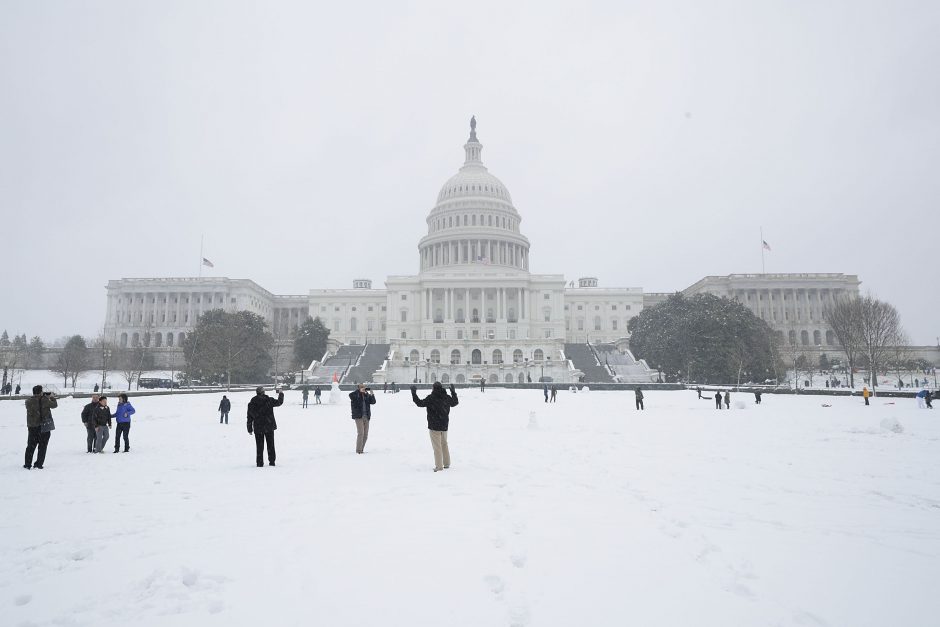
column 123, row 413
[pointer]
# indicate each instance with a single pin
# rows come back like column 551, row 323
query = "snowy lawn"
column 789, row 513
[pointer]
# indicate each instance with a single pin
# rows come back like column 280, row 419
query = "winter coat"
column 123, row 412
column 225, row 405
column 39, row 408
column 639, row 395
column 261, row 412
column 101, row 416
column 88, row 414
column 865, row 393
column 355, row 405
column 438, row 405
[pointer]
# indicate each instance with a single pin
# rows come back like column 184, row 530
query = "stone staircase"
column 370, row 360
column 583, row 358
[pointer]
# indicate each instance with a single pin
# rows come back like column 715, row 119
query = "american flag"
column 207, row 263
column 766, row 245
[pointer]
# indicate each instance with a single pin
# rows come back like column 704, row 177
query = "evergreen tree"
column 704, row 338
column 310, row 341
column 230, row 346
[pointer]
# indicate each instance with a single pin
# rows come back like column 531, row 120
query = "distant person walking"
column 483, row 384
column 95, row 390
column 717, row 399
column 545, row 391
column 122, row 414
column 225, row 406
column 39, row 426
column 438, row 405
column 17, row 391
column 361, row 401
column 554, row 394
column 316, row 395
column 305, row 395
column 102, row 423
column 727, row 399
column 757, row 397
column 699, row 390
column 262, row 424
column 88, row 419
column 865, row 393
column 639, row 398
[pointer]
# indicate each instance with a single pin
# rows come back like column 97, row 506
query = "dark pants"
column 305, row 401
column 718, row 402
column 90, row 440
column 223, row 416
column 317, row 397
column 36, row 436
column 122, row 428
column 866, row 400
column 639, row 403
column 259, row 446
column 553, row 397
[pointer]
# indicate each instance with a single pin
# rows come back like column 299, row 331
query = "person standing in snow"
column 225, row 406
column 483, row 384
column 102, row 417
column 865, row 393
column 717, row 399
column 554, row 393
column 316, row 394
column 262, row 424
column 39, row 426
column 699, row 390
column 928, row 397
column 360, row 403
column 88, row 419
column 757, row 397
column 639, row 398
column 727, row 399
column 545, row 391
column 305, row 394
column 123, row 413
column 17, row 392
column 437, row 405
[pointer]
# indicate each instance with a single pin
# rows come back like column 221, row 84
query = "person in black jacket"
column 88, row 419
column 360, row 404
column 438, row 405
column 261, row 422
column 225, row 406
column 39, row 425
column 102, row 419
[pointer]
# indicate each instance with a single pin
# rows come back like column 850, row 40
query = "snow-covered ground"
column 588, row 513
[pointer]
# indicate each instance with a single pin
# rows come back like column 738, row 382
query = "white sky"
column 644, row 143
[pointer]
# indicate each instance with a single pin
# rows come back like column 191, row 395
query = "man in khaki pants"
column 360, row 402
column 438, row 405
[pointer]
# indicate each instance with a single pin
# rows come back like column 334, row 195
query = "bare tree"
column 73, row 360
column 844, row 318
column 900, row 354
column 879, row 327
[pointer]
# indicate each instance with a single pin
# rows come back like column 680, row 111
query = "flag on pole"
column 766, row 245
column 209, row 264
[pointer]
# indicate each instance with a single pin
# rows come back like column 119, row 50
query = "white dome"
column 474, row 180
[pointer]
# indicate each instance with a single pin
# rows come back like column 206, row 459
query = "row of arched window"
column 804, row 338
column 158, row 339
column 476, row 356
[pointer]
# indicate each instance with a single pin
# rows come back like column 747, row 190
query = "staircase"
column 583, row 358
column 337, row 364
column 369, row 361
column 624, row 366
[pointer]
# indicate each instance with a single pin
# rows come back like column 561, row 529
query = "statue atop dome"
column 473, row 128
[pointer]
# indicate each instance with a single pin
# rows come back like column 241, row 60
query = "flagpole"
column 762, row 269
column 200, row 256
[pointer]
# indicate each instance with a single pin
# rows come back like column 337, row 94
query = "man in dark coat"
column 360, row 404
column 17, row 391
column 261, row 422
column 639, row 398
column 727, row 399
column 717, row 399
column 225, row 406
column 88, row 419
column 38, row 411
column 438, row 405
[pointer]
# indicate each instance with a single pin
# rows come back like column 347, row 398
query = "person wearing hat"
column 438, row 405
column 360, row 403
column 39, row 425
column 261, row 422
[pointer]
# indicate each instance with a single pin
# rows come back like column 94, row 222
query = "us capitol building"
column 474, row 310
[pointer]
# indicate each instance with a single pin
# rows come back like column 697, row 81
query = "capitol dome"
column 474, row 220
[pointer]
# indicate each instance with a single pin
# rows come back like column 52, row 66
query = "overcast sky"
column 643, row 143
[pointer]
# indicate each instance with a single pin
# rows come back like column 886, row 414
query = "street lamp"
column 105, row 357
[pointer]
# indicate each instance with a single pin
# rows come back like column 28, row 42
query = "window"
column 579, row 307
column 370, row 307
column 548, row 333
column 404, row 316
column 538, row 355
column 404, row 335
column 435, row 356
column 547, row 314
column 459, row 334
column 353, row 324
column 497, row 356
column 455, row 356
column 476, row 357
column 613, row 324
column 413, row 355
column 580, row 324
column 613, row 307
column 404, row 296
column 517, row 356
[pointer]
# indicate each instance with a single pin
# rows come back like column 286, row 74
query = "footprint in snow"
column 22, row 599
column 495, row 584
